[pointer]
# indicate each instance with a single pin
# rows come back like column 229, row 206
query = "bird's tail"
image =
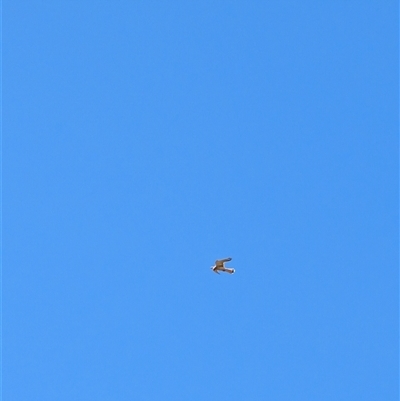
column 229, row 270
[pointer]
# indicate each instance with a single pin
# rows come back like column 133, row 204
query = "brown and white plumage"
column 220, row 266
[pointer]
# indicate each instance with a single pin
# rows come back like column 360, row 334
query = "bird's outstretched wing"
column 220, row 262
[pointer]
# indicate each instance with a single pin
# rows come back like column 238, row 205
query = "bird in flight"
column 220, row 266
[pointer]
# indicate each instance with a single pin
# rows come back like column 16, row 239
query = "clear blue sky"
column 142, row 140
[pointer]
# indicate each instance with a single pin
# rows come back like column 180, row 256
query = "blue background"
column 142, row 140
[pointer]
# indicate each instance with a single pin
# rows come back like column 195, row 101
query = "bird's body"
column 220, row 266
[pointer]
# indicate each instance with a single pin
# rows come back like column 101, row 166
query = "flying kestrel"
column 220, row 266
